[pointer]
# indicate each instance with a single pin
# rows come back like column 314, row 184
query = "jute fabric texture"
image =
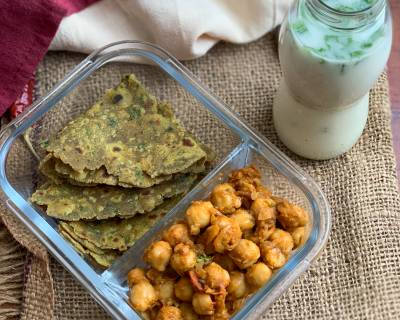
column 356, row 277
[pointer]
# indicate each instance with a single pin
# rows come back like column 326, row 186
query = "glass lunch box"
column 234, row 142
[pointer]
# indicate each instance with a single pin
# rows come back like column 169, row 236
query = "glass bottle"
column 331, row 53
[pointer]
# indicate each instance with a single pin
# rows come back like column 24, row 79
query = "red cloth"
column 26, row 30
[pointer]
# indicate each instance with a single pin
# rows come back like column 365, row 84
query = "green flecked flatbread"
column 105, row 241
column 72, row 203
column 128, row 138
column 60, row 172
column 63, row 227
column 118, row 234
column 103, row 257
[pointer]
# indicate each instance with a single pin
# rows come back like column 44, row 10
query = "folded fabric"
column 26, row 30
column 186, row 28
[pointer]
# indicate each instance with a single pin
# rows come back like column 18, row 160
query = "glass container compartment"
column 235, row 143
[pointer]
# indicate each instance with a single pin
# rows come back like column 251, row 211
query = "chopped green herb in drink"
column 356, row 54
column 299, row 27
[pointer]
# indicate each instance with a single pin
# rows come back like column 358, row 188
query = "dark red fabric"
column 26, row 30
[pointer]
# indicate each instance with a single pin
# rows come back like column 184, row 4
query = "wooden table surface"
column 394, row 79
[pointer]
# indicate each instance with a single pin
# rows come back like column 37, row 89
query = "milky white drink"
column 331, row 53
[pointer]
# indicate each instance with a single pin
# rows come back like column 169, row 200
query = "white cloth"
column 186, row 28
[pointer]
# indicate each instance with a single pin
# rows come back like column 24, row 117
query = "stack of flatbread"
column 117, row 169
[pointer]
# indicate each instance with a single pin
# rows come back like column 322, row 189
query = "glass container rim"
column 339, row 19
column 374, row 6
column 32, row 219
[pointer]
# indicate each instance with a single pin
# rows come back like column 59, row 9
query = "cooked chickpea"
column 165, row 291
column 169, row 313
column 229, row 233
column 249, row 173
column 264, row 230
column 244, row 218
column 220, row 311
column 291, row 216
column 207, row 238
column 227, row 248
column 298, row 235
column 158, row 255
column 221, row 220
column 258, row 275
column 177, row 233
column 264, row 209
column 248, row 184
column 272, row 255
column 135, row 275
column 202, row 304
column 143, row 296
column 183, row 259
column 188, row 312
column 237, row 287
column 245, row 189
column 245, row 253
column 183, row 289
column 283, row 240
column 198, row 215
column 224, row 198
column 250, row 235
column 225, row 262
column 216, row 277
column 155, row 276
column 261, row 192
column 227, row 239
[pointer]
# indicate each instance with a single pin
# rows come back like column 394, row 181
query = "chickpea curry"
column 227, row 248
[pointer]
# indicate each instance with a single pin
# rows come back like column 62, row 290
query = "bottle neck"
column 345, row 18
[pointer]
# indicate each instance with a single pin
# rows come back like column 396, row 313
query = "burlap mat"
column 358, row 274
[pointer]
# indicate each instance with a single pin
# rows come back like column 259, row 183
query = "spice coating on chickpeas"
column 245, row 253
column 188, row 312
column 227, row 248
column 264, row 209
column 203, row 304
column 165, row 291
column 291, row 215
column 244, row 218
column 298, row 235
column 198, row 215
column 177, row 233
column 169, row 313
column 258, row 275
column 158, row 255
column 283, row 240
column 143, row 296
column 224, row 198
column 184, row 290
column 237, row 286
column 272, row 255
column 183, row 259
column 224, row 261
column 229, row 233
column 216, row 276
column 135, row 275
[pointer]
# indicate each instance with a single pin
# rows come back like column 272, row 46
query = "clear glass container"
column 331, row 53
column 236, row 145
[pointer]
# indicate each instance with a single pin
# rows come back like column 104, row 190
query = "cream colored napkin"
column 186, row 28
